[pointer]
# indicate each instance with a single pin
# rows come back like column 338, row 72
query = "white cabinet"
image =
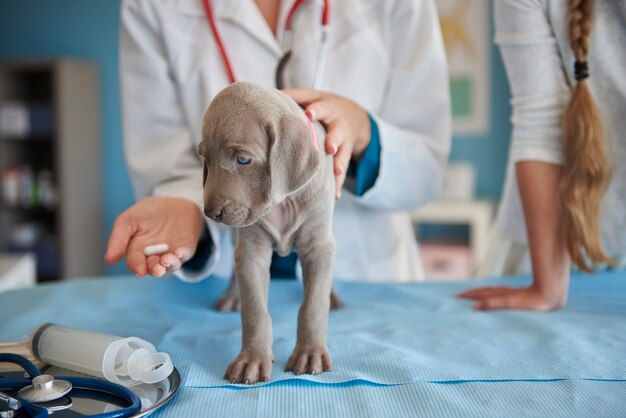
column 452, row 258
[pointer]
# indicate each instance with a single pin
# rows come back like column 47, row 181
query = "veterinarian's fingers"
column 154, row 266
column 330, row 145
column 303, row 96
column 315, row 364
column 321, row 110
column 327, row 363
column 184, row 253
column 342, row 160
column 324, row 112
column 339, row 180
column 122, row 231
column 170, row 262
column 333, row 141
column 482, row 292
column 136, row 259
column 301, row 364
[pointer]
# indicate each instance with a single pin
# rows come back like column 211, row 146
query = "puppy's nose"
column 216, row 213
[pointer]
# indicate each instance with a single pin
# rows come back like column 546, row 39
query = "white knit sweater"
column 534, row 41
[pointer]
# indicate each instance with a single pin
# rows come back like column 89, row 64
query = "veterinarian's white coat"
column 388, row 56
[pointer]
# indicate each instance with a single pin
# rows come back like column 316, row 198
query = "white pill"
column 156, row 249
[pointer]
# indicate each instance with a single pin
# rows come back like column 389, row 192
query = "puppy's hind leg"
column 230, row 300
column 335, row 300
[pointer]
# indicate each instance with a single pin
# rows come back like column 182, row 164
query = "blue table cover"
column 398, row 349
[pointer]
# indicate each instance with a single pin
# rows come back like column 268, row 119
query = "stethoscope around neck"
column 287, row 44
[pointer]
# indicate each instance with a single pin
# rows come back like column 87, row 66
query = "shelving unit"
column 65, row 234
column 475, row 216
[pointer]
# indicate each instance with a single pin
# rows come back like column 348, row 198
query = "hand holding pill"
column 156, row 234
column 156, row 249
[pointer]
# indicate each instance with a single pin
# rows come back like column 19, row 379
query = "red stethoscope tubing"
column 220, row 42
column 218, row 39
column 295, row 7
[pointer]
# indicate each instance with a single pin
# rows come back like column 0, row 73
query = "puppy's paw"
column 335, row 300
column 228, row 303
column 309, row 361
column 250, row 368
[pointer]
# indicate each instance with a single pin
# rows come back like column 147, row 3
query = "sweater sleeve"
column 538, row 81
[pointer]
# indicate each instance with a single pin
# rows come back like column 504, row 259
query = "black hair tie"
column 581, row 70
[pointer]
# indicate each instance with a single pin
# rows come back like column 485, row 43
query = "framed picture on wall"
column 465, row 28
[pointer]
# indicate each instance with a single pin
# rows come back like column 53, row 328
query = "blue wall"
column 89, row 29
column 86, row 29
column 488, row 153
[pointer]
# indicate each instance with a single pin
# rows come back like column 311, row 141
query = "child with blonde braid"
column 565, row 62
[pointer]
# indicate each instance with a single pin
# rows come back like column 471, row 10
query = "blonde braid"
column 587, row 171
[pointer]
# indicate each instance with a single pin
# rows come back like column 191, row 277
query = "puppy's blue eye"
column 244, row 160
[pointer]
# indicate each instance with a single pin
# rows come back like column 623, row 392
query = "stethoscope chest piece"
column 45, row 388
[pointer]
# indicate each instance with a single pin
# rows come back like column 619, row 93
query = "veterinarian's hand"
column 347, row 125
column 154, row 220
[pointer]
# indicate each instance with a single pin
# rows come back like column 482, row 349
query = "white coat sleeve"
column 159, row 147
column 538, row 82
column 415, row 120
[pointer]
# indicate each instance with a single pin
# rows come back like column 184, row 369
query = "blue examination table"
column 398, row 349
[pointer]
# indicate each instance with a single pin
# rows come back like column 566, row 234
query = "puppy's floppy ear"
column 205, row 170
column 293, row 158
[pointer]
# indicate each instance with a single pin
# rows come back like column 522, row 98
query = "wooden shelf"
column 35, row 210
column 71, row 234
column 27, row 140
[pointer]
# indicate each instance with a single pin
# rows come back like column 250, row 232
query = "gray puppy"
column 266, row 174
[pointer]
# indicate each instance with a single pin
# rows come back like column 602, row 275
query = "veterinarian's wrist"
column 204, row 250
column 363, row 137
column 365, row 172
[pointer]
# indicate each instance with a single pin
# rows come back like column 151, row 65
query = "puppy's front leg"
column 310, row 354
column 253, row 256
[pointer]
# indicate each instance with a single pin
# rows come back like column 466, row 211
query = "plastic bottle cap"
column 149, row 367
column 132, row 361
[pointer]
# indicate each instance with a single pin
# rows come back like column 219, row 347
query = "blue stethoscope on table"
column 40, row 388
column 287, row 43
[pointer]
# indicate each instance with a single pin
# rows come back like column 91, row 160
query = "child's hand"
column 528, row 298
